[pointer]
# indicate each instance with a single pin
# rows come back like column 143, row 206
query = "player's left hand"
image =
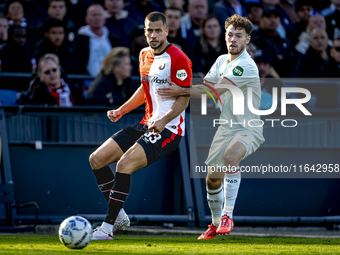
column 157, row 126
column 173, row 91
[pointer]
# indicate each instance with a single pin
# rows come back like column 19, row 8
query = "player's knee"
column 123, row 166
column 92, row 161
column 230, row 159
column 213, row 183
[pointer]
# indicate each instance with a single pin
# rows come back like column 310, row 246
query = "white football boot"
column 101, row 233
column 122, row 221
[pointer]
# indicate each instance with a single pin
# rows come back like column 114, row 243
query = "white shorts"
column 221, row 142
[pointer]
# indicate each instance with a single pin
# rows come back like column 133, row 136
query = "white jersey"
column 243, row 73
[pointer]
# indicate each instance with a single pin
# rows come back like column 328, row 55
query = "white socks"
column 215, row 200
column 231, row 186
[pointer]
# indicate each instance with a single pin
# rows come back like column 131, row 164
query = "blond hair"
column 114, row 58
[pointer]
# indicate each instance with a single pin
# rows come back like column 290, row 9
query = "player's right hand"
column 114, row 115
column 171, row 91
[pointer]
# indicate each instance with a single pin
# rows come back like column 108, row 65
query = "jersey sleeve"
column 243, row 74
column 212, row 76
column 181, row 71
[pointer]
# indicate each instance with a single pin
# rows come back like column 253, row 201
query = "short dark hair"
column 50, row 1
column 172, row 8
column 156, row 16
column 52, row 23
column 239, row 22
column 299, row 3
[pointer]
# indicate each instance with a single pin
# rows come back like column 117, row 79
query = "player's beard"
column 157, row 46
column 238, row 50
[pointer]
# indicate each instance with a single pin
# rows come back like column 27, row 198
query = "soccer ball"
column 75, row 232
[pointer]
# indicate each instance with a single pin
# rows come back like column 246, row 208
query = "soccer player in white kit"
column 235, row 140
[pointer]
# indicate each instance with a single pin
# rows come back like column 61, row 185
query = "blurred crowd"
column 50, row 39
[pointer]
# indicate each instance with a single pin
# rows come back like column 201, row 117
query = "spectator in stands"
column 309, row 65
column 3, row 30
column 52, row 89
column 177, row 4
column 138, row 42
column 332, row 67
column 251, row 48
column 191, row 22
column 113, row 85
column 289, row 7
column 118, row 21
column 315, row 21
column 173, row 21
column 227, row 8
column 55, row 42
column 332, row 15
column 34, row 12
column 315, row 57
column 77, row 11
column 139, row 9
column 15, row 13
column 268, row 81
column 303, row 9
column 255, row 12
column 93, row 42
column 209, row 47
column 165, row 4
column 35, row 78
column 15, row 56
column 286, row 27
column 263, row 61
column 57, row 9
column 268, row 38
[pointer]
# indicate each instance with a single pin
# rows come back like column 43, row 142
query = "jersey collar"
column 244, row 52
column 167, row 47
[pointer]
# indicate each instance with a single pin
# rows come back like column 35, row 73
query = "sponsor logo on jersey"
column 181, row 74
column 155, row 79
column 162, row 65
column 238, row 71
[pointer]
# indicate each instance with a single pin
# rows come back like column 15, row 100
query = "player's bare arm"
column 195, row 91
column 179, row 106
column 136, row 100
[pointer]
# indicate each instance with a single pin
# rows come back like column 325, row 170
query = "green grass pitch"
column 130, row 244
